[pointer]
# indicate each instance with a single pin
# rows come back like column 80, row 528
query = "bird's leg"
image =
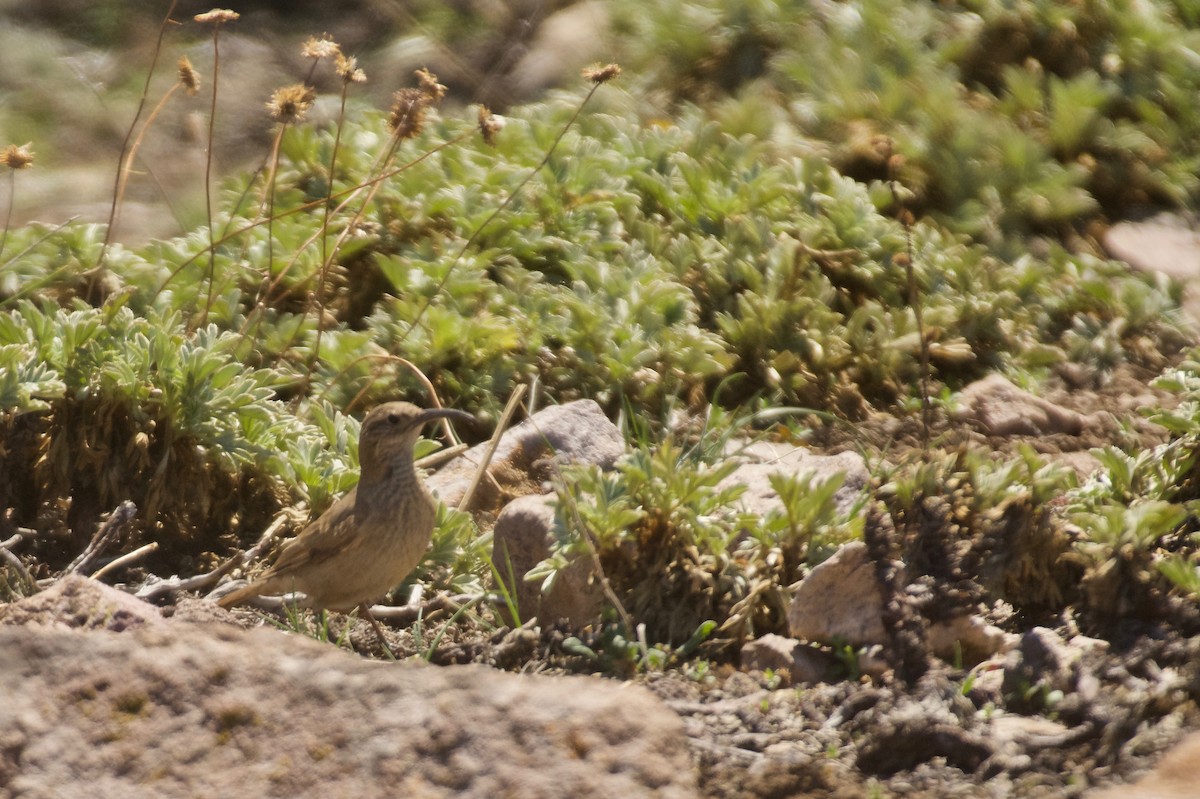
column 366, row 609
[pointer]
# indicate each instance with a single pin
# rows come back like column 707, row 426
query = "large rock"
column 577, row 432
column 566, row 41
column 1177, row 776
column 1165, row 243
column 183, row 710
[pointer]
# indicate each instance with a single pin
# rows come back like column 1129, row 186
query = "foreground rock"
column 1176, row 777
column 840, row 600
column 191, row 710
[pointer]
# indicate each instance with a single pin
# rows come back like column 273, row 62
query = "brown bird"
column 371, row 538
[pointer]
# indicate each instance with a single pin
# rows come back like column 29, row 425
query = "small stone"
column 1042, row 660
column 765, row 458
column 522, row 538
column 840, row 599
column 998, row 408
column 969, row 637
column 801, row 663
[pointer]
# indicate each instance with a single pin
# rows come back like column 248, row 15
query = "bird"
column 368, row 541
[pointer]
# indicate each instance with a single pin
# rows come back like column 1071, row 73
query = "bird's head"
column 393, row 428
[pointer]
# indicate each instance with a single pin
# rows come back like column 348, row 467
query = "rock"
column 1164, row 243
column 839, row 599
column 765, row 458
column 577, row 432
column 77, row 602
column 1082, row 462
column 968, row 637
column 800, row 663
column 566, row 41
column 523, row 536
column 1014, row 736
column 998, row 408
column 1175, row 777
column 987, row 682
column 182, row 710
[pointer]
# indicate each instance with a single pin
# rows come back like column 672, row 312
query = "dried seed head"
column 291, row 103
column 320, row 48
column 188, row 76
column 217, row 15
column 17, row 157
column 489, row 125
column 347, row 69
column 430, row 86
column 601, row 74
column 408, row 113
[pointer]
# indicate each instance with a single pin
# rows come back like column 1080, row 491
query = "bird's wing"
column 332, row 532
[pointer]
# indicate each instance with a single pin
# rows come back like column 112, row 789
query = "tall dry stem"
column 912, row 290
column 125, row 144
column 217, row 18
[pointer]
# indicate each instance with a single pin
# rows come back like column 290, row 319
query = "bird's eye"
column 394, row 418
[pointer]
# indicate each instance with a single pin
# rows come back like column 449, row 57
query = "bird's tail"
column 242, row 594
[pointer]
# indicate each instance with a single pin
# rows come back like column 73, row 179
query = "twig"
column 593, row 546
column 7, row 555
column 912, row 291
column 151, row 592
column 407, row 614
column 121, row 166
column 12, row 200
column 122, row 515
column 202, row 582
column 442, row 456
column 218, row 19
column 127, row 165
column 395, row 614
column 125, row 560
column 510, row 408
